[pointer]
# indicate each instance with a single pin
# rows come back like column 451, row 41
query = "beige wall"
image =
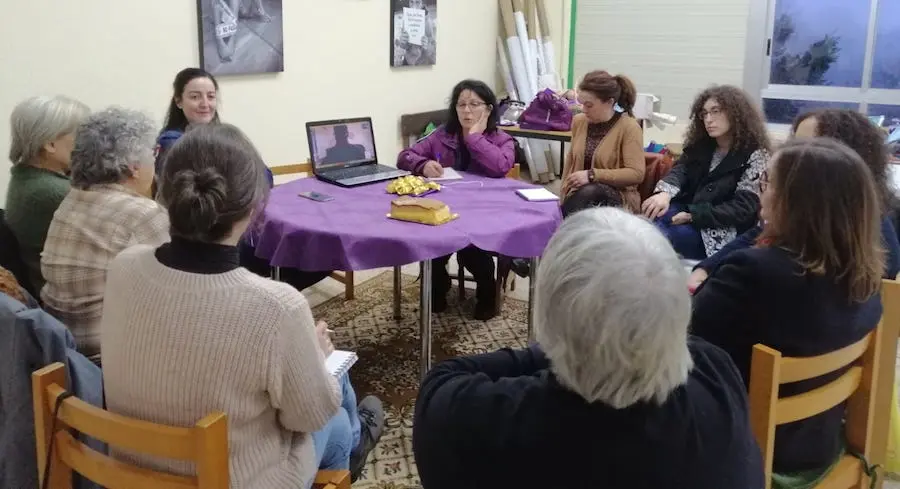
column 125, row 52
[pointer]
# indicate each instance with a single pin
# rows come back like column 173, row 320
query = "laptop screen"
column 342, row 143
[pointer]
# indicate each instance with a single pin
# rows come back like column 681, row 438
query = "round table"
column 353, row 232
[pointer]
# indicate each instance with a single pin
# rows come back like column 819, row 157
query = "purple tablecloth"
column 352, row 231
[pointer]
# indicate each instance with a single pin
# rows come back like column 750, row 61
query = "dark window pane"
column 819, row 42
column 780, row 111
column 891, row 114
column 886, row 69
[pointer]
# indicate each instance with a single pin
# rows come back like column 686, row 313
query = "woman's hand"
column 696, row 278
column 656, row 205
column 432, row 169
column 480, row 126
column 324, row 335
column 575, row 181
column 681, row 218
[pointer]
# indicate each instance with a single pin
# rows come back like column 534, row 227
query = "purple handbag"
column 547, row 112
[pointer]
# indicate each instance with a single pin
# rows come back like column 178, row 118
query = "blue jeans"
column 685, row 238
column 335, row 441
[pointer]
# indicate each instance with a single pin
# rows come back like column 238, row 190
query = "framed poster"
column 413, row 32
column 240, row 37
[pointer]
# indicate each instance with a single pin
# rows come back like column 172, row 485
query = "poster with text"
column 413, row 32
column 240, row 37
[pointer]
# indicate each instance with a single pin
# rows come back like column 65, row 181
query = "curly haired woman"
column 712, row 193
column 854, row 130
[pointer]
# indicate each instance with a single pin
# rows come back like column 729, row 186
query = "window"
column 816, row 54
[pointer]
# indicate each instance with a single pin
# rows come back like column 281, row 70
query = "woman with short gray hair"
column 615, row 388
column 43, row 132
column 107, row 210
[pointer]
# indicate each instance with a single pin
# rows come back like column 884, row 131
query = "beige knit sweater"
column 177, row 346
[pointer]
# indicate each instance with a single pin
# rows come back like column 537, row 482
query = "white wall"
column 126, row 52
column 671, row 49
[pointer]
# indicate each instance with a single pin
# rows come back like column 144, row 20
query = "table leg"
column 425, row 317
column 531, row 282
column 562, row 157
column 397, row 285
column 276, row 274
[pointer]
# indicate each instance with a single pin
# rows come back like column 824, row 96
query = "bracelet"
column 591, row 175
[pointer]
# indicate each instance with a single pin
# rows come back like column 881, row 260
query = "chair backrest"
column 866, row 385
column 291, row 169
column 413, row 125
column 205, row 444
column 658, row 166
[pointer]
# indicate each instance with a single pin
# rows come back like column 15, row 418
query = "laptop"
column 343, row 153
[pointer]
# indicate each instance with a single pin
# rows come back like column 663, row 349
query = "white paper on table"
column 539, row 194
column 414, row 23
column 449, row 174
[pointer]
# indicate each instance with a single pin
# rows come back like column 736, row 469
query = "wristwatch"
column 591, row 175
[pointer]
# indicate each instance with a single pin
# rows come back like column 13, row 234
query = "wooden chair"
column 866, row 386
column 345, row 278
column 205, row 444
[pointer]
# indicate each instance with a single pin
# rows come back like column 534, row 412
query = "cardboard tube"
column 509, row 20
column 542, row 18
column 530, row 19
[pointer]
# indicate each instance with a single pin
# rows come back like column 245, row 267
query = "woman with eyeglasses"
column 853, row 129
column 469, row 141
column 808, row 287
column 712, row 193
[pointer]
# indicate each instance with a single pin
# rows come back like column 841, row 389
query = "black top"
column 761, row 295
column 502, row 419
column 197, row 257
column 713, row 197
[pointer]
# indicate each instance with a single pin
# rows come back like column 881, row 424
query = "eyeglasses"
column 715, row 112
column 473, row 106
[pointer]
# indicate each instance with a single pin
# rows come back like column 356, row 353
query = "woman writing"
column 469, row 141
column 853, row 129
column 194, row 103
column 810, row 285
column 606, row 155
column 187, row 331
column 712, row 193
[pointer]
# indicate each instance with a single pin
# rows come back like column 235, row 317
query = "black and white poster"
column 413, row 32
column 240, row 37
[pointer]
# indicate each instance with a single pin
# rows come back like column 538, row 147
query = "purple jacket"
column 493, row 154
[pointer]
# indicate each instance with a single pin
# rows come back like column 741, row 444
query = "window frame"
column 758, row 65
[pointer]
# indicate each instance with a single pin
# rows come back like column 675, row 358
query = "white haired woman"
column 615, row 390
column 43, row 132
column 107, row 210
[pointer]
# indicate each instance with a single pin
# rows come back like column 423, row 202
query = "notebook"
column 340, row 361
column 536, row 194
column 449, row 174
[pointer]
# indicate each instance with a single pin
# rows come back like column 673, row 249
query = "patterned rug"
column 389, row 359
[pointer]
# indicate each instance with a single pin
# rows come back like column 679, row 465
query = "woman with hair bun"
column 606, row 156
column 187, row 331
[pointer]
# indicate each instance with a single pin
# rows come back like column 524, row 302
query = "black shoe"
column 521, row 267
column 485, row 310
column 438, row 302
column 486, row 301
column 371, row 421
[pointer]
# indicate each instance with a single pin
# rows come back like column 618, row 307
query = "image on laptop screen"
column 342, row 143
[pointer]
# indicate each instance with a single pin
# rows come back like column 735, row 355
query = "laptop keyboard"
column 364, row 174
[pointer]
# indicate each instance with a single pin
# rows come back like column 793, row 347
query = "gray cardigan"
column 31, row 339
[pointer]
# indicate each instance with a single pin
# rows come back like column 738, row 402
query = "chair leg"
column 349, row 286
column 461, row 278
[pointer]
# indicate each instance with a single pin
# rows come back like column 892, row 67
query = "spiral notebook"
column 340, row 361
